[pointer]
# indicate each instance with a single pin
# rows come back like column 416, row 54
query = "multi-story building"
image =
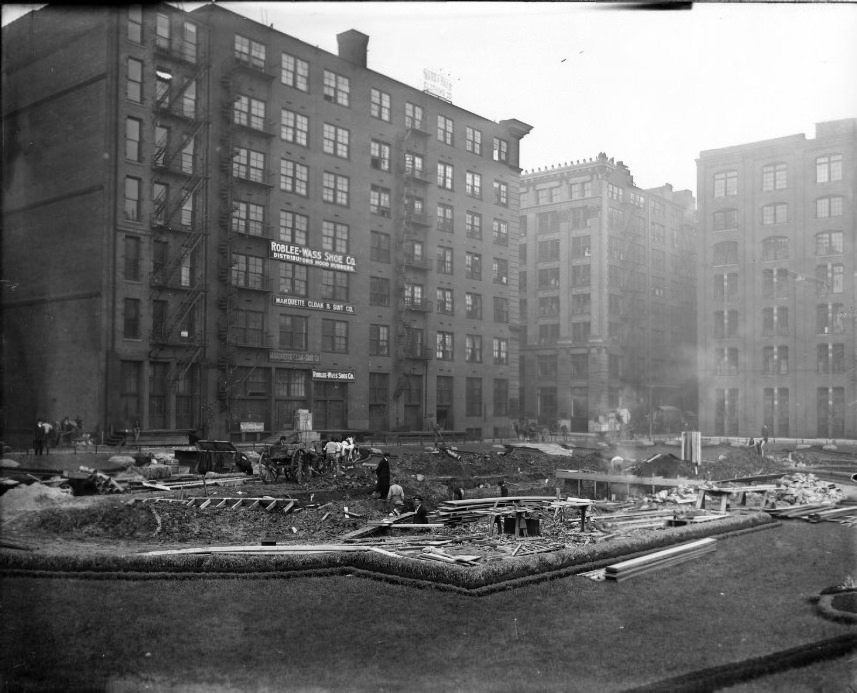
column 777, row 268
column 210, row 225
column 608, row 295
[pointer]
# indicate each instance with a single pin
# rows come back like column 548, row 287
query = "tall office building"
column 210, row 225
column 608, row 295
column 778, row 299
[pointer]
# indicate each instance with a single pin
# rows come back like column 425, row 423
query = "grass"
column 748, row 599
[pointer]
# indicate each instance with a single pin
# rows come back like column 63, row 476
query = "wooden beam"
column 624, row 479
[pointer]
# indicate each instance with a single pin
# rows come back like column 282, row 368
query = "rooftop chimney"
column 352, row 46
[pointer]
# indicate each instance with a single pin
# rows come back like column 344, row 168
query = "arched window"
column 829, row 243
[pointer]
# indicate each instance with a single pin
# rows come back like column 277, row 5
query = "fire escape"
column 411, row 264
column 252, row 185
column 179, row 223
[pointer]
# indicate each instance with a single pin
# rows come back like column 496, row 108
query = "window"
column 335, row 141
column 250, row 52
column 445, row 302
column 473, row 348
column 829, row 243
column 132, row 258
column 162, row 140
column 379, row 291
column 293, row 279
column 726, row 253
column 775, row 322
column 188, row 101
column 294, row 177
column 187, row 159
column 189, row 42
column 334, row 285
column 334, row 336
column 134, row 81
column 444, row 176
column 445, row 214
column 379, row 201
column 294, row 127
column 293, row 227
column 830, row 358
column 160, row 199
column 135, row 23
column 501, row 193
column 249, row 112
column 725, row 324
column 581, row 304
column 775, row 360
column 337, row 88
column 829, row 279
column 775, row 248
column 501, row 309
column 473, row 185
column 473, row 140
column 473, row 306
column 501, row 351
column 379, row 340
column 249, row 331
column 614, row 192
column 774, row 177
column 414, row 164
column 132, row 139
column 775, row 214
column 473, row 266
column 581, row 190
column 726, row 184
column 334, row 236
column 444, row 260
column 445, row 346
column 132, row 199
column 162, row 32
column 828, row 168
column 131, row 319
column 444, row 129
column 725, row 219
column 725, row 287
column 379, row 104
column 380, row 153
column 500, row 231
column 413, row 116
column 581, row 246
column 379, row 246
column 294, row 72
column 580, row 275
column 473, row 224
column 775, row 283
column 500, row 271
column 249, row 165
column 549, row 333
column 548, row 278
column 726, row 361
column 828, row 207
column 473, row 397
column 293, row 332
column 248, row 218
column 501, row 150
column 334, row 189
column 247, row 271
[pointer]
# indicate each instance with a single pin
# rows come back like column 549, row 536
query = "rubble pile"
column 27, row 498
column 806, row 489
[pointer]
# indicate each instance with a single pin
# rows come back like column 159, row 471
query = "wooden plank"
column 238, row 504
column 255, row 504
column 221, row 504
column 660, row 555
column 288, row 508
column 204, row 505
column 624, row 479
column 624, row 575
column 272, row 506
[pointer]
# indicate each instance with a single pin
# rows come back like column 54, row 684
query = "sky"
column 649, row 88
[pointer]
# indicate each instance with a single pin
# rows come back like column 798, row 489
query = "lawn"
column 752, row 597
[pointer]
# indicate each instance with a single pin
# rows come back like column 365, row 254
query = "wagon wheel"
column 268, row 474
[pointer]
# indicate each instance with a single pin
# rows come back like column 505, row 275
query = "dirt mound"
column 22, row 499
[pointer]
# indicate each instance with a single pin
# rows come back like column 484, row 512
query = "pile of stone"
column 803, row 489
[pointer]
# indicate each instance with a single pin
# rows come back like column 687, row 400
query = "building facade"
column 608, row 294
column 777, row 267
column 210, row 225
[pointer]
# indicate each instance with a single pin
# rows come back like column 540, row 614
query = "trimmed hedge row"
column 492, row 577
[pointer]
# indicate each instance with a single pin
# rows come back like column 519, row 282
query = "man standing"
column 39, row 438
column 382, row 472
column 396, row 497
column 421, row 517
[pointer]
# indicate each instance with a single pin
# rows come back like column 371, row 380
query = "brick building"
column 210, row 224
column 777, row 270
column 607, row 297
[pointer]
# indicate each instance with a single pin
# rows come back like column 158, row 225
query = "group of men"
column 46, row 434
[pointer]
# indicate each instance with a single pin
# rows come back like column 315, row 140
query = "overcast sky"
column 652, row 89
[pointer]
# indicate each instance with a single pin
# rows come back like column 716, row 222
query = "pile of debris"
column 806, row 489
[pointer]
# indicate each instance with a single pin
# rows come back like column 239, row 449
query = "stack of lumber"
column 642, row 519
column 441, row 556
column 274, row 548
column 803, row 510
column 659, row 559
column 831, row 514
column 471, row 510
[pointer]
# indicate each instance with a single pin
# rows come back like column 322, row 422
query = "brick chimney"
column 352, row 46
